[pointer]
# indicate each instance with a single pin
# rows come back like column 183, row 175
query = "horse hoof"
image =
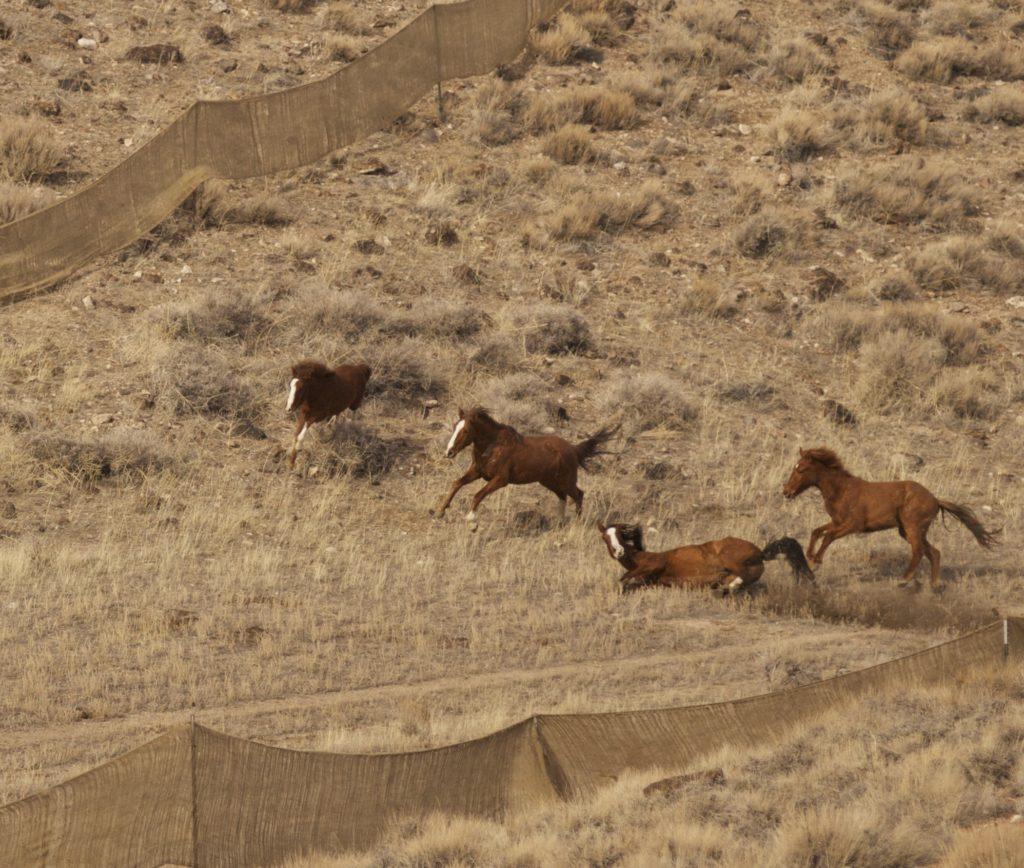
column 910, row 587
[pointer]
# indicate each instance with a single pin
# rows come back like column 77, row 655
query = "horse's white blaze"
column 455, row 434
column 736, row 583
column 613, row 538
column 302, row 434
column 292, row 389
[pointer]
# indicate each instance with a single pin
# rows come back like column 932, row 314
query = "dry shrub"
column 884, row 118
column 603, row 28
column 943, row 59
column 705, row 298
column 129, row 455
column 796, row 134
column 700, row 52
column 570, row 144
column 17, row 201
column 291, row 5
column 908, row 191
column 497, row 353
column 847, row 327
column 538, row 169
column 566, row 42
column 724, row 22
column 889, row 29
column 342, row 47
column 957, row 17
column 895, row 369
column 316, row 308
column 751, row 191
column 596, row 106
column 342, row 17
column 29, row 150
column 554, row 329
column 1004, row 105
column 192, row 379
column 586, row 214
column 495, row 112
column 896, row 286
column 261, row 210
column 796, row 60
column 985, row 847
column 404, row 371
column 356, row 451
column 969, row 263
column 969, row 393
column 436, row 318
column 649, row 399
column 521, row 400
column 767, row 233
column 218, row 314
column 16, row 418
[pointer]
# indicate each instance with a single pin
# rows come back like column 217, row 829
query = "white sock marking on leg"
column 613, row 538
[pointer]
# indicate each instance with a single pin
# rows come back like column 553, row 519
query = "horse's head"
column 462, row 435
column 622, row 539
column 804, row 475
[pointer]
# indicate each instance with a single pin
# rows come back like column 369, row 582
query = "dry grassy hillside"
column 735, row 231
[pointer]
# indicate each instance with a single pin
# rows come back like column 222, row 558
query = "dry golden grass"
column 17, row 201
column 943, row 59
column 291, row 5
column 29, row 150
column 890, row 30
column 797, row 134
column 567, row 41
column 151, row 533
column 1005, row 106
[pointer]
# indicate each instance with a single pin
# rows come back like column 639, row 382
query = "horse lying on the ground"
column 858, row 506
column 503, row 456
column 727, row 565
column 318, row 393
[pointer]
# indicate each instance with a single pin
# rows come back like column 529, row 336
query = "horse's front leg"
column 635, row 579
column 815, row 535
column 830, row 536
column 301, row 427
column 471, row 475
column 492, row 485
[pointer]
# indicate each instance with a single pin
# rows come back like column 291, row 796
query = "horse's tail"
column 794, row 554
column 968, row 519
column 592, row 445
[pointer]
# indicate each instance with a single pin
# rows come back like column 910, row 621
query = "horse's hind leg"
column 918, row 544
column 934, row 559
column 577, row 496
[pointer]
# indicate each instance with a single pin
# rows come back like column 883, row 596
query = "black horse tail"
column 592, row 445
column 985, row 538
column 794, row 555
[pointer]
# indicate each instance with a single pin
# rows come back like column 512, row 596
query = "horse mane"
column 309, row 369
column 631, row 534
column 485, row 416
column 826, row 457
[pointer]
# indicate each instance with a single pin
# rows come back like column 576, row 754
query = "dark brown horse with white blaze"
column 503, row 456
column 317, row 392
column 855, row 505
column 728, row 565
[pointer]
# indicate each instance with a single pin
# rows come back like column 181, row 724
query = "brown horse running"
column 858, row 506
column 503, row 456
column 318, row 393
column 708, row 565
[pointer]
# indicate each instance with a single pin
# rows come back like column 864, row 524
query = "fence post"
column 437, row 64
column 195, row 797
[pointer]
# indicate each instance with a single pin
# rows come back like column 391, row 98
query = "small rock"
column 186, row 269
column 87, row 44
column 228, row 65
column 79, row 82
column 467, row 274
column 219, row 7
column 825, row 284
column 48, row 108
column 368, row 246
column 745, row 129
column 1015, row 301
column 88, row 303
column 839, row 414
column 102, row 419
column 784, row 179
column 39, row 4
column 958, row 307
column 159, row 53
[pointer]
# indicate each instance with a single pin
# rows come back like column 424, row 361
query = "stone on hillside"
column 159, row 53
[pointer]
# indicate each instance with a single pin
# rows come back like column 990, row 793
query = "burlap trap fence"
column 261, row 135
column 198, row 797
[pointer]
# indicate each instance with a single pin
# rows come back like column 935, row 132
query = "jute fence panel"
column 261, row 135
column 198, row 797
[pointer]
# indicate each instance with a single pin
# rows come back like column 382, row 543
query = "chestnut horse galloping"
column 503, row 456
column 708, row 565
column 858, row 506
column 318, row 393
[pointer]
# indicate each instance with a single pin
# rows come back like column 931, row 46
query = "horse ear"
column 601, row 527
column 803, row 452
column 462, row 414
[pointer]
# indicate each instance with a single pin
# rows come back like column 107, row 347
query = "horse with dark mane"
column 318, row 392
column 707, row 565
column 503, row 456
column 855, row 505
